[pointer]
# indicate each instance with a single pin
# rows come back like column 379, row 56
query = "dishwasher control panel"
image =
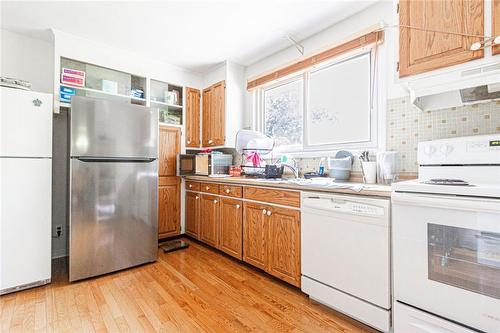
column 341, row 205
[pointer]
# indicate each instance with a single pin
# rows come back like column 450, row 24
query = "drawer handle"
column 190, row 186
column 207, row 188
column 269, row 213
column 264, row 211
column 237, row 206
column 228, row 190
column 189, row 142
column 215, row 201
column 196, row 197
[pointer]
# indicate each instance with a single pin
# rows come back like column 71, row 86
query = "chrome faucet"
column 294, row 169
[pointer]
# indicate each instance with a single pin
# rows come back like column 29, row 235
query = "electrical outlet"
column 59, row 230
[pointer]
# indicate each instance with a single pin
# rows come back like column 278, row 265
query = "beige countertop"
column 367, row 190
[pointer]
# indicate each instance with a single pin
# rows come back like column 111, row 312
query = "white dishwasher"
column 346, row 255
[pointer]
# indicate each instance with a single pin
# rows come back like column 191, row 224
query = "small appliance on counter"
column 340, row 166
column 212, row 164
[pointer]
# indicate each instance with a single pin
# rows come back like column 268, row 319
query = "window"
column 283, row 112
column 324, row 108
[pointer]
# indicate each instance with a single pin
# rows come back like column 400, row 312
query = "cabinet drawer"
column 231, row 191
column 192, row 186
column 280, row 197
column 209, row 188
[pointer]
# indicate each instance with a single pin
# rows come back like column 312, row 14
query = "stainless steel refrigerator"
column 113, row 186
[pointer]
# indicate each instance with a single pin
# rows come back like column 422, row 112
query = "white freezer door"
column 25, row 123
column 25, row 221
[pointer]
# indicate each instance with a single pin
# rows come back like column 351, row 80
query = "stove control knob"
column 446, row 149
column 429, row 150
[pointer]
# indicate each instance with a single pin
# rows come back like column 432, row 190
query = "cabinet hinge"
column 397, row 66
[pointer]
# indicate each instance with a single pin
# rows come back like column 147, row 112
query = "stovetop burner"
column 444, row 181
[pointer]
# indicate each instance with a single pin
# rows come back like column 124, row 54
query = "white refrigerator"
column 25, row 189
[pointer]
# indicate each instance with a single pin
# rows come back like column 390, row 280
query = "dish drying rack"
column 246, row 137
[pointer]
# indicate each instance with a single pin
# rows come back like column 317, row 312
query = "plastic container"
column 369, row 171
column 340, row 168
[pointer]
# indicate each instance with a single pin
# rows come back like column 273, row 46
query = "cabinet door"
column 495, row 16
column 168, row 207
column 255, row 233
column 207, row 119
column 422, row 51
column 192, row 117
column 169, row 145
column 231, row 227
column 209, row 219
column 284, row 244
column 217, row 110
column 193, row 214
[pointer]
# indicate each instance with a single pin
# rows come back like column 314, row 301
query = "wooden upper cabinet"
column 231, row 227
column 169, row 207
column 284, row 244
column 193, row 214
column 209, row 219
column 206, row 112
column 255, row 235
column 218, row 110
column 214, row 108
column 193, row 97
column 169, row 146
column 495, row 16
column 422, row 51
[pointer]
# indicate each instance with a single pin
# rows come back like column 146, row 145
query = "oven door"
column 186, row 164
column 447, row 257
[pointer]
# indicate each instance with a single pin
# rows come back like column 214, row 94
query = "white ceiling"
column 192, row 34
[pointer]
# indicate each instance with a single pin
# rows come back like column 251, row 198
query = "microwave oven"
column 204, row 164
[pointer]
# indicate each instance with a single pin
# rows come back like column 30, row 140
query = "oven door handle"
column 448, row 202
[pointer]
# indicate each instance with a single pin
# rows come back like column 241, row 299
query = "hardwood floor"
column 193, row 290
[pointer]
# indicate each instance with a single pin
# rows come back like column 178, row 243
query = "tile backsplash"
column 407, row 125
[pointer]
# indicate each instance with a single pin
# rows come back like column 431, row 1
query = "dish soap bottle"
column 321, row 170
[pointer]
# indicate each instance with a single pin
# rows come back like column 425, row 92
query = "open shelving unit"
column 102, row 82
column 168, row 98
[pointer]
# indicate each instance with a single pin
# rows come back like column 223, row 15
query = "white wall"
column 383, row 11
column 27, row 58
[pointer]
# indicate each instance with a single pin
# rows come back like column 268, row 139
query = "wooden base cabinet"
column 231, row 227
column 193, row 214
column 271, row 240
column 284, row 244
column 209, row 219
column 168, row 207
column 255, row 235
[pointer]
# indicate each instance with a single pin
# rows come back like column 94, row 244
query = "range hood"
column 456, row 88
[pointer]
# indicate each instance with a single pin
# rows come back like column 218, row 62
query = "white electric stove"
column 446, row 239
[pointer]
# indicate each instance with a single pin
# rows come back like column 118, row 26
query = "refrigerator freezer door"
column 102, row 128
column 25, row 222
column 25, row 123
column 113, row 216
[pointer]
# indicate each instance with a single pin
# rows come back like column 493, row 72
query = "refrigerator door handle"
column 115, row 159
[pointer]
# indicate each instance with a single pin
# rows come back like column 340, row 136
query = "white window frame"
column 377, row 111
